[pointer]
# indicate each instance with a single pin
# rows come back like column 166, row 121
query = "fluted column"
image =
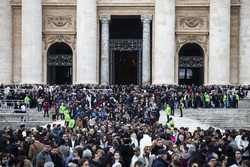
column 5, row 42
column 86, row 42
column 31, row 41
column 219, row 42
column 105, row 49
column 244, row 78
column 164, row 51
column 146, row 20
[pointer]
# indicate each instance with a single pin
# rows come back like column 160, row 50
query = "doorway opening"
column 126, row 67
column 125, row 50
column 59, row 64
column 191, row 64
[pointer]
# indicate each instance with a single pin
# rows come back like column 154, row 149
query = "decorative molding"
column 59, row 21
column 146, row 19
column 191, row 22
column 51, row 39
column 105, row 19
column 201, row 40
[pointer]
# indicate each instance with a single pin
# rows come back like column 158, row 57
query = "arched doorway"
column 59, row 64
column 191, row 64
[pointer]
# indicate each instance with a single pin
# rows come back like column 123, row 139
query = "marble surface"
column 219, row 42
column 31, row 42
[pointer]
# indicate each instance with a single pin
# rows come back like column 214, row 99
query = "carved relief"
column 59, row 21
column 182, row 39
column 191, row 23
column 68, row 39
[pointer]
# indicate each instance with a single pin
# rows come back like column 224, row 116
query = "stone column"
column 146, row 20
column 5, row 42
column 31, row 41
column 244, row 78
column 86, row 42
column 164, row 42
column 219, row 42
column 105, row 50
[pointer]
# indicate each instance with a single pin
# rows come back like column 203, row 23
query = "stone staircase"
column 221, row 118
column 218, row 118
column 245, row 103
column 30, row 119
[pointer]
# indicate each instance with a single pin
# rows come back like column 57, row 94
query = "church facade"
column 125, row 42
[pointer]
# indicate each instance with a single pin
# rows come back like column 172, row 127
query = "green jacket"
column 62, row 109
column 71, row 123
column 27, row 100
column 207, row 98
column 168, row 110
column 67, row 117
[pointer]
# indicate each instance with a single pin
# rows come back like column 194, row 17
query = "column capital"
column 146, row 18
column 105, row 19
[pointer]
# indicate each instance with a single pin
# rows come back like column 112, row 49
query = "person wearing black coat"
column 162, row 160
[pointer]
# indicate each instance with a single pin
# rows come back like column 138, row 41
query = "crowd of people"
column 117, row 126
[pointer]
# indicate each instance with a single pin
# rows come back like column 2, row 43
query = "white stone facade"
column 5, row 42
column 219, row 27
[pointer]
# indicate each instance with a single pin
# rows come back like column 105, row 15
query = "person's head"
column 163, row 154
column 237, row 154
column 55, row 151
column 47, row 148
column 176, row 163
column 117, row 156
column 85, row 163
column 194, row 164
column 87, row 154
column 159, row 142
column 99, row 153
column 181, row 137
column 139, row 164
column 78, row 152
column 212, row 161
column 117, row 164
column 147, row 150
column 137, row 151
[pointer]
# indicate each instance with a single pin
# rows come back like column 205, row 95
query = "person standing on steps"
column 181, row 106
column 168, row 112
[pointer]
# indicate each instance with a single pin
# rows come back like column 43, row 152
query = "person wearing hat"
column 211, row 161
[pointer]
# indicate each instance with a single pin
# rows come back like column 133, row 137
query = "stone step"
column 30, row 124
column 221, row 118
